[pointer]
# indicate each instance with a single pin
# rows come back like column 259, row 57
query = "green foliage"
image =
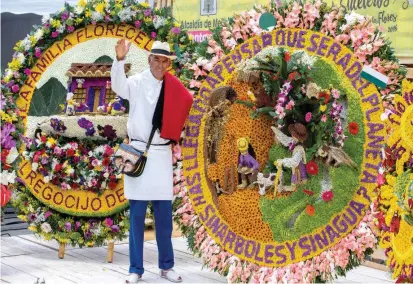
column 46, row 100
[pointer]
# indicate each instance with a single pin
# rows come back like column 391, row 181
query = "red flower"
column 70, row 152
column 324, row 95
column 58, row 167
column 112, row 185
column 308, row 192
column 74, row 186
column 312, row 168
column 112, row 178
column 5, row 195
column 310, row 210
column 294, row 75
column 353, row 128
column 327, row 196
column 287, row 56
column 43, row 139
column 106, row 162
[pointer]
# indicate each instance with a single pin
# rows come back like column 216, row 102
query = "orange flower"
column 310, row 210
column 353, row 128
column 287, row 56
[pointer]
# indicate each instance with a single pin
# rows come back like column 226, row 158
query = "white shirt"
column 142, row 91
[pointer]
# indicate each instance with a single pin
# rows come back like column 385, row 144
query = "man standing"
column 156, row 182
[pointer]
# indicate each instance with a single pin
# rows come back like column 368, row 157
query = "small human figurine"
column 247, row 165
column 116, row 107
column 298, row 160
column 71, row 104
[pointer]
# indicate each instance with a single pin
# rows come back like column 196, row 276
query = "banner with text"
column 199, row 16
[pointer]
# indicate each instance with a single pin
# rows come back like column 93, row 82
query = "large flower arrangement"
column 394, row 203
column 361, row 36
column 60, row 167
column 74, row 164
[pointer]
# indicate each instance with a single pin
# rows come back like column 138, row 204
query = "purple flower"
column 84, row 123
column 32, row 217
column 2, row 102
column 147, row 12
column 76, row 159
column 108, row 222
column 16, row 75
column 37, row 52
column 77, row 225
column 115, row 228
column 15, row 88
column 68, row 226
column 153, row 35
column 64, row 16
column 138, row 24
column 90, row 131
column 47, row 25
column 27, row 71
column 176, row 30
column 7, row 140
column 107, row 18
column 88, row 234
column 55, row 34
column 47, row 214
column 70, row 29
column 44, row 161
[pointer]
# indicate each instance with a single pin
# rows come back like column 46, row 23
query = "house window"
column 80, row 95
column 110, row 95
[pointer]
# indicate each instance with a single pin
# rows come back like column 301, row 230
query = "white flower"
column 26, row 43
column 38, row 34
column 8, row 73
column 45, row 19
column 232, row 42
column 20, row 56
column 126, row 14
column 8, row 178
column 61, row 29
column 35, row 166
column 96, row 16
column 158, row 21
column 106, row 175
column 79, row 9
column 353, row 18
column 46, row 179
column 12, row 156
column 46, row 227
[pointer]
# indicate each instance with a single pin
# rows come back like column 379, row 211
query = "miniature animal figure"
column 334, row 157
column 264, row 181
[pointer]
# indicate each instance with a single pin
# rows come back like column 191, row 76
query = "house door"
column 96, row 99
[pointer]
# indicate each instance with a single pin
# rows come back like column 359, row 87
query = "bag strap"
column 157, row 118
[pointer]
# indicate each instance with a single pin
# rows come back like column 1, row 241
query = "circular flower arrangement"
column 64, row 186
column 394, row 204
column 279, row 118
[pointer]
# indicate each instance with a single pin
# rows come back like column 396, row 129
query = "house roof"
column 92, row 69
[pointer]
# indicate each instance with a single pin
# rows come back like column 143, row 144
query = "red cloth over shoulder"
column 177, row 104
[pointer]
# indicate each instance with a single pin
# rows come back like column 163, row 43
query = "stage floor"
column 25, row 259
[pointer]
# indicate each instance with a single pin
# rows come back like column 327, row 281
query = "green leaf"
column 46, row 100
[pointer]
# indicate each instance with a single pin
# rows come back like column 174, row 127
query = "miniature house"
column 90, row 84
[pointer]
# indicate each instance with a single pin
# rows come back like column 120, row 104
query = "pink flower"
column 153, row 35
column 138, row 24
column 55, row 34
column 15, row 88
column 70, row 29
column 290, row 105
column 195, row 84
column 308, row 116
column 324, row 118
column 27, row 71
column 107, row 18
column 335, row 93
column 47, row 214
column 108, row 222
column 37, row 52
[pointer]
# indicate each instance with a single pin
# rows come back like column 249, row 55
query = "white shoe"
column 171, row 275
column 133, row 278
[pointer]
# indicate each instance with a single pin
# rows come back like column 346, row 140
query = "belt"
column 165, row 144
